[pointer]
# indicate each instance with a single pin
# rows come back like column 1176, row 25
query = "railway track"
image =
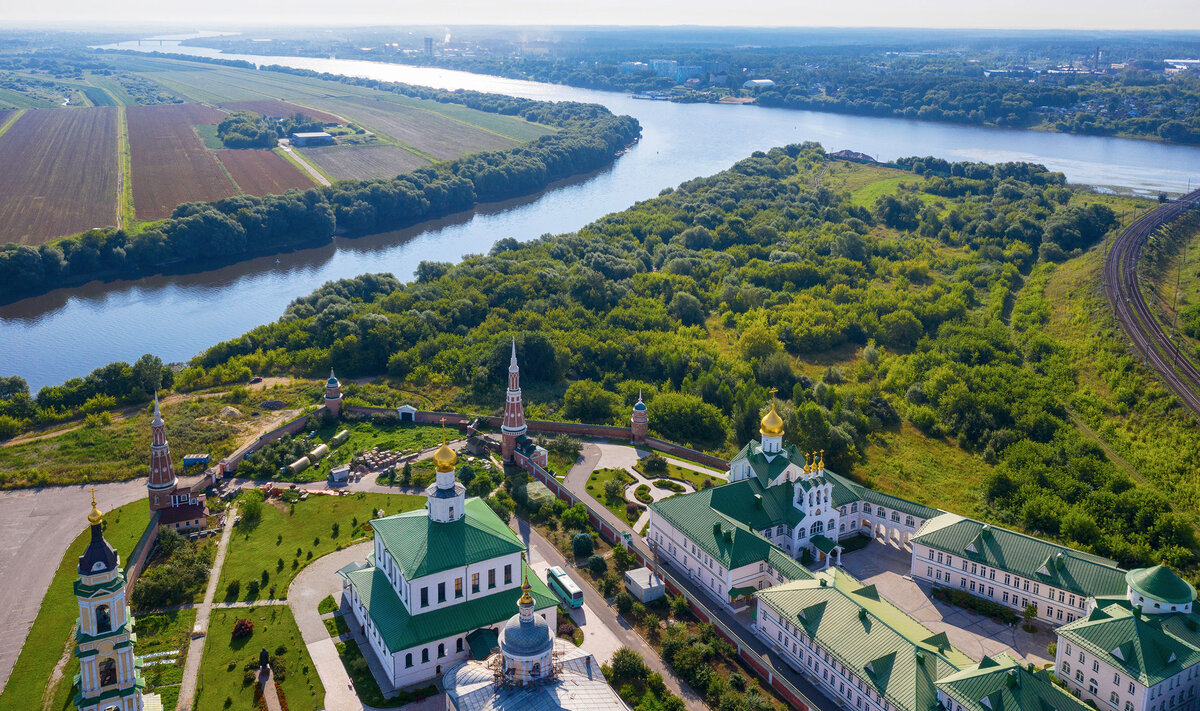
column 1121, row 285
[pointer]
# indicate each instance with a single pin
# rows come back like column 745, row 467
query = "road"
column 576, row 483
column 316, row 174
column 1129, row 306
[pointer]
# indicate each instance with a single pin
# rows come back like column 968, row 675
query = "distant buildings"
column 312, row 138
column 428, row 46
column 758, row 84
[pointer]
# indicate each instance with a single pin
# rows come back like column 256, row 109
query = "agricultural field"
column 274, row 107
column 262, row 172
column 431, row 133
column 60, row 174
column 170, row 163
column 364, row 162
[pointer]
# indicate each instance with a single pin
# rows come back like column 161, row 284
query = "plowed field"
column 170, row 163
column 262, row 172
column 58, row 174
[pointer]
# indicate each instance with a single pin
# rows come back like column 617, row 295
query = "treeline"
column 589, row 137
column 104, row 388
column 246, row 129
column 702, row 299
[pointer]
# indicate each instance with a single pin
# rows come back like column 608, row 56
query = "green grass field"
column 308, row 527
column 165, row 632
column 117, row 451
column 696, row 479
column 595, row 486
column 387, row 435
column 48, row 638
column 222, row 672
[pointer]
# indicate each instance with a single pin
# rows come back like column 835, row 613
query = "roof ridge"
column 1076, row 553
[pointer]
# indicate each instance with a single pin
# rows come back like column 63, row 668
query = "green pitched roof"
column 421, row 547
column 1150, row 648
column 899, row 656
column 1001, row 684
column 1029, row 557
column 1161, row 584
column 726, row 539
column 400, row 630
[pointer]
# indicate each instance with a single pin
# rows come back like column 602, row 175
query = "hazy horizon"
column 1151, row 15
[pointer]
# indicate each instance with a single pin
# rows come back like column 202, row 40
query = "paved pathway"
column 270, row 694
column 191, row 667
column 598, row 613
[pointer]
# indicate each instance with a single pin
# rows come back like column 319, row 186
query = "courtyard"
column 887, row 567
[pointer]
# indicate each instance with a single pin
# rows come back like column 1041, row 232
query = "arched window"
column 451, row 513
column 408, row 660
column 441, row 651
column 108, row 672
column 537, row 669
column 832, row 525
column 817, row 527
column 425, row 655
column 103, row 619
column 458, row 645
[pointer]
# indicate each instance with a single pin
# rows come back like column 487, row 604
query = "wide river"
column 67, row 333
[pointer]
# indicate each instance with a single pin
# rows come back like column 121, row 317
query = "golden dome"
column 772, row 423
column 526, row 598
column 95, row 517
column 444, row 459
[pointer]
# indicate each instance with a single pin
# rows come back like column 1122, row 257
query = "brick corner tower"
column 333, row 395
column 514, row 413
column 162, row 473
column 639, row 423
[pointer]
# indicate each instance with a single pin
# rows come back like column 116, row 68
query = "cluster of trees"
column 246, row 129
column 106, row 387
column 178, row 571
column 239, row 227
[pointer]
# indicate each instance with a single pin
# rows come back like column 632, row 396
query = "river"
column 66, row 333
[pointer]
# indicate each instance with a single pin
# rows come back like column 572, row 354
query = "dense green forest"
column 588, row 138
column 706, row 297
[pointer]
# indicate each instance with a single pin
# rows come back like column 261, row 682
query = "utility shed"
column 312, row 138
column 644, row 585
column 340, row 473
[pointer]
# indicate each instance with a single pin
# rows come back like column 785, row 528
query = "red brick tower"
column 639, row 423
column 162, row 472
column 514, row 414
column 333, row 395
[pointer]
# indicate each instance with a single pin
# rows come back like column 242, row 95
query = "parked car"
column 256, row 379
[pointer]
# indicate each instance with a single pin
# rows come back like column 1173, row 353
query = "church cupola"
column 639, row 422
column 447, row 497
column 162, row 472
column 771, row 429
column 526, row 642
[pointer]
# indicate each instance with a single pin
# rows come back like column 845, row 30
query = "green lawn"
column 387, row 435
column 222, row 671
column 595, row 486
column 327, row 605
column 163, row 633
column 336, row 625
column 308, row 527
column 364, row 682
column 52, row 626
column 674, row 471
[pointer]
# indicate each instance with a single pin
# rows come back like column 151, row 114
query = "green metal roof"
column 400, row 630
column 1001, row 684
column 482, row 642
column 1150, row 648
column 1161, row 584
column 1029, row 557
column 421, row 547
column 726, row 539
column 823, row 543
column 900, row 657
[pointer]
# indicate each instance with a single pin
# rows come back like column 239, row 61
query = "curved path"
column 1129, row 306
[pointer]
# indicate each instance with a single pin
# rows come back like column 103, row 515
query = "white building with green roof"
column 441, row 582
column 1000, row 683
column 1139, row 651
column 1012, row 568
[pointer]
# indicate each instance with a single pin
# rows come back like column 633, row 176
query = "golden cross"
column 93, row 490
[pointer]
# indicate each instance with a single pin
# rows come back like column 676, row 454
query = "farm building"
column 758, row 84
column 190, row 460
column 644, row 585
column 313, row 138
column 340, row 473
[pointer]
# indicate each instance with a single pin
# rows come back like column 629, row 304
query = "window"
column 508, row 574
column 930, row 554
column 1068, row 650
column 1081, row 658
column 974, row 569
column 425, row 655
column 108, row 672
column 491, row 578
column 1116, row 679
column 441, row 650
column 1092, row 687
column 1005, row 596
column 425, row 597
column 1131, row 687
column 1114, row 699
column 1007, row 579
column 908, row 521
column 408, row 660
column 103, row 619
column 929, row 572
column 1095, row 666
column 1079, row 675
column 1035, row 588
column 474, row 582
column 458, row 587
column 1066, row 668
column 441, row 592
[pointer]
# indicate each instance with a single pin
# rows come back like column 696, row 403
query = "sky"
column 1008, row 14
